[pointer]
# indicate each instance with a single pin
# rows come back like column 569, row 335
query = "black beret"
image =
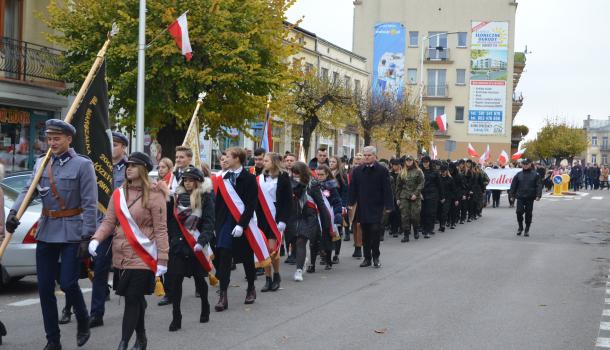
column 426, row 159
column 193, row 173
column 58, row 126
column 140, row 159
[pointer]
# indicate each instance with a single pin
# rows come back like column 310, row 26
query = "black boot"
column 176, row 321
column 405, row 238
column 520, row 230
column 66, row 316
column 267, row 286
column 415, row 232
column 527, row 230
column 204, row 317
column 83, row 332
column 346, row 236
column 141, row 342
column 57, row 346
column 122, row 345
column 357, row 252
column 441, row 229
column 275, row 285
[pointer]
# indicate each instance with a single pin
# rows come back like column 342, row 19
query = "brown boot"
column 250, row 296
column 223, row 302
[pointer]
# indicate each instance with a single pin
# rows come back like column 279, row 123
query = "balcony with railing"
column 436, row 92
column 437, row 55
column 30, row 63
column 517, row 103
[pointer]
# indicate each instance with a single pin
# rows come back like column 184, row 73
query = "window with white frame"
column 594, row 158
column 462, row 37
column 437, row 80
column 412, row 76
column 348, row 83
column 434, row 111
column 459, row 114
column 460, row 77
column 324, row 73
column 593, row 140
column 413, row 38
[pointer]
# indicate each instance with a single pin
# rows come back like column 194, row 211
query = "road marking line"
column 607, row 291
column 603, row 342
column 605, row 326
column 607, row 300
column 33, row 301
column 606, row 312
column 597, row 198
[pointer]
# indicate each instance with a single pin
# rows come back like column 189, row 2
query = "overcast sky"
column 567, row 72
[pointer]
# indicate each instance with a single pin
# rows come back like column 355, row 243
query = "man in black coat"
column 231, row 239
column 526, row 187
column 370, row 190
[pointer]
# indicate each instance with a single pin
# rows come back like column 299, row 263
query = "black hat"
column 443, row 167
column 426, row 159
column 395, row 161
column 140, row 159
column 526, row 161
column 193, row 173
column 120, row 138
column 58, row 126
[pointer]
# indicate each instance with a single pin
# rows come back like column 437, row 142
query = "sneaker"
column 298, row 275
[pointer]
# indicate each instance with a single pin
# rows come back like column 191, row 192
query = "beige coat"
column 152, row 221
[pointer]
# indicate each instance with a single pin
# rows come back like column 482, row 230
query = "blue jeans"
column 101, row 269
column 48, row 268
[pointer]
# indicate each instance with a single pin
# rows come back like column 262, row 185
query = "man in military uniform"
column 409, row 185
column 69, row 198
column 101, row 263
column 395, row 214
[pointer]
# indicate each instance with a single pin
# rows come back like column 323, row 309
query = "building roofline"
column 334, row 46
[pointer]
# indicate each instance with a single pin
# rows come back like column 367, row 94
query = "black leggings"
column 314, row 250
column 176, row 297
column 301, row 252
column 225, row 258
column 133, row 316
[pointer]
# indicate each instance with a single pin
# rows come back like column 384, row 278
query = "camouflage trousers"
column 410, row 214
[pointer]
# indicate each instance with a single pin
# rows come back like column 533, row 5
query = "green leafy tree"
column 317, row 103
column 557, row 140
column 240, row 51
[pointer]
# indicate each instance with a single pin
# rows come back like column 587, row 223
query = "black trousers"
column 495, row 194
column 454, row 213
column 395, row 219
column 463, row 209
column 525, row 206
column 429, row 212
column 225, row 258
column 444, row 213
column 371, row 233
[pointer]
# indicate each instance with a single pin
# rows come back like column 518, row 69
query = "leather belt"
column 55, row 214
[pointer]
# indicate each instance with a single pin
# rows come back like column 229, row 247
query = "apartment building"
column 462, row 52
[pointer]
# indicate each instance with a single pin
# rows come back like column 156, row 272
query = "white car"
column 19, row 259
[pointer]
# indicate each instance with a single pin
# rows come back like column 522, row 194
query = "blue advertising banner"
column 389, row 58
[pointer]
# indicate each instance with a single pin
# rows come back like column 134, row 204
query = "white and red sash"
column 254, row 235
column 170, row 181
column 191, row 237
column 139, row 242
column 333, row 232
column 269, row 208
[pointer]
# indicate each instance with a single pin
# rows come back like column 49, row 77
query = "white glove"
column 281, row 226
column 161, row 270
column 198, row 248
column 93, row 247
column 238, row 231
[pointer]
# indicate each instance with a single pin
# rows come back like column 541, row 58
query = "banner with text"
column 488, row 78
column 389, row 58
column 500, row 179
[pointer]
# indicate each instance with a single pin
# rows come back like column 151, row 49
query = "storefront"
column 22, row 137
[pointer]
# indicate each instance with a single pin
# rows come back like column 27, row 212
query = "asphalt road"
column 477, row 287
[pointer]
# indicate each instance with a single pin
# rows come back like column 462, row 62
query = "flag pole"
column 73, row 108
column 200, row 98
column 140, row 95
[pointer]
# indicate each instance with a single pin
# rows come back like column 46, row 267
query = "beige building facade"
column 598, row 133
column 448, row 65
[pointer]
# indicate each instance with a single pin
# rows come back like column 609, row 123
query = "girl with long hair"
column 304, row 223
column 273, row 212
column 137, row 217
column 332, row 204
column 338, row 171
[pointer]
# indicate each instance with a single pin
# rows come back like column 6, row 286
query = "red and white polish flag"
column 485, row 157
column 503, row 158
column 180, row 32
column 471, row 151
column 518, row 155
column 441, row 121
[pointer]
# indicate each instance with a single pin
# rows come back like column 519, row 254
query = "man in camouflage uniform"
column 409, row 185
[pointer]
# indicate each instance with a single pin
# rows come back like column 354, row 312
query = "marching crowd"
column 190, row 222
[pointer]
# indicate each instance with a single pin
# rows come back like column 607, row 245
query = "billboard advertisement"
column 488, row 78
column 389, row 58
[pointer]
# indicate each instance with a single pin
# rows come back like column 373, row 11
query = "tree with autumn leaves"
column 557, row 140
column 240, row 55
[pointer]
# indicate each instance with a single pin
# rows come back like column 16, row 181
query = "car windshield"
column 12, row 186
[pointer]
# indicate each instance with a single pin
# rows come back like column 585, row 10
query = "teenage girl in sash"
column 139, row 245
column 332, row 204
column 191, row 228
column 273, row 211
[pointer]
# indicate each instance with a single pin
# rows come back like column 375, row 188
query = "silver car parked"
column 19, row 260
